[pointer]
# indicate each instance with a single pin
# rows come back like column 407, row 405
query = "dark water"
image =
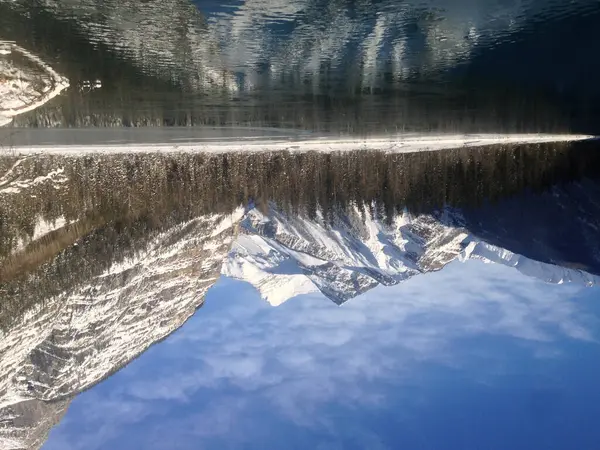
column 388, row 331
column 349, row 67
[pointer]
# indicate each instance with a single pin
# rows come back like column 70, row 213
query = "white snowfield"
column 24, row 89
column 399, row 143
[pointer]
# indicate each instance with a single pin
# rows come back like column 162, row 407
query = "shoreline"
column 394, row 144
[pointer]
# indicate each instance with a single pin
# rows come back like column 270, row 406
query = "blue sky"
column 474, row 356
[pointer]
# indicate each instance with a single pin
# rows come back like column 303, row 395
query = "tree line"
column 112, row 205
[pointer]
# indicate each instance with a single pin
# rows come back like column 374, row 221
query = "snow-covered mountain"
column 285, row 256
column 69, row 343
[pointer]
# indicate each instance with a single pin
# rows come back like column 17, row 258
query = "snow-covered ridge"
column 283, row 257
column 549, row 273
column 23, row 88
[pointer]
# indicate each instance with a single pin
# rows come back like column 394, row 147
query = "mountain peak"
column 284, row 256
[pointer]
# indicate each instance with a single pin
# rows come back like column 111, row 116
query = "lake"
column 314, row 224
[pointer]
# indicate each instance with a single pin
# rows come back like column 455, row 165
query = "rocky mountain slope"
column 67, row 344
column 283, row 257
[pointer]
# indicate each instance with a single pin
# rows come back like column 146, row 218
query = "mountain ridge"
column 283, row 257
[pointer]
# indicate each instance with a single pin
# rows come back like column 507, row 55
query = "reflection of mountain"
column 349, row 67
column 273, row 41
column 164, row 38
column 125, row 68
column 25, row 82
column 103, row 255
column 316, row 41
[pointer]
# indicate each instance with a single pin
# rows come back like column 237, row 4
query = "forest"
column 110, row 206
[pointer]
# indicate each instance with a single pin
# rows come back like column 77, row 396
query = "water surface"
column 347, row 67
column 296, row 298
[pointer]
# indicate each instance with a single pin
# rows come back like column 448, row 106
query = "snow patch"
column 549, row 273
column 43, row 227
column 56, row 177
column 228, row 222
column 274, row 289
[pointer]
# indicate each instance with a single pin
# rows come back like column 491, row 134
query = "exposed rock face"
column 68, row 343
column 30, row 422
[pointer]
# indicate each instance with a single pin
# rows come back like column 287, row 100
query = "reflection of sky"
column 475, row 356
column 405, row 38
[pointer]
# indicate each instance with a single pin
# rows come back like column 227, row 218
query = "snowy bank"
column 399, row 143
column 26, row 82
